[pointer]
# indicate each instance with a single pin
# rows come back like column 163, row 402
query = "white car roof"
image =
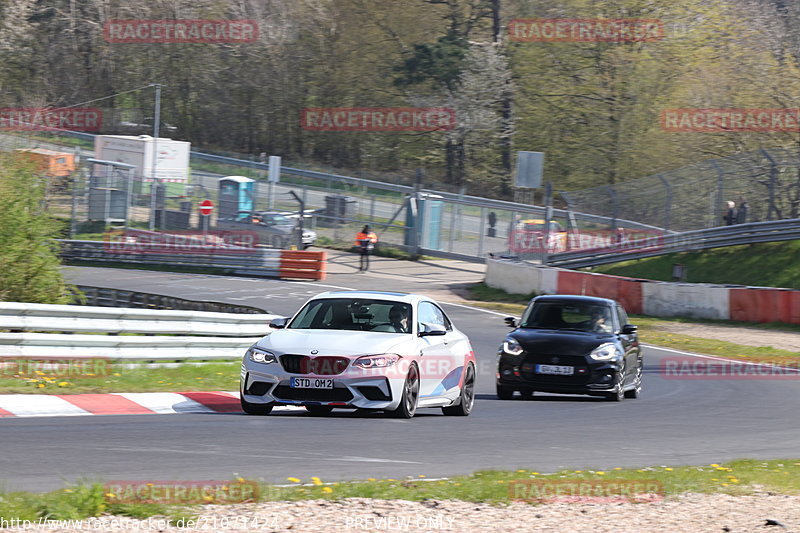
column 375, row 295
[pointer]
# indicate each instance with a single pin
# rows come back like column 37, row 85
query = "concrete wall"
column 654, row 298
column 685, row 299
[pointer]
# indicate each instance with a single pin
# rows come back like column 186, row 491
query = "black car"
column 571, row 345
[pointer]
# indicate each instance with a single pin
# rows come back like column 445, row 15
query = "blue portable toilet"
column 428, row 221
column 236, row 196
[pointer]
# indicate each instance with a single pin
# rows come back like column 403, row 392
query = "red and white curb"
column 123, row 403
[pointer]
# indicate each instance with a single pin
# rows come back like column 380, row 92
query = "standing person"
column 731, row 215
column 741, row 216
column 365, row 240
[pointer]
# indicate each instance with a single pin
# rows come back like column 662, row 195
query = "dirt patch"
column 737, row 334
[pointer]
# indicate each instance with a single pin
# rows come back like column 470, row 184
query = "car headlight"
column 257, row 355
column 604, row 352
column 376, row 361
column 511, row 346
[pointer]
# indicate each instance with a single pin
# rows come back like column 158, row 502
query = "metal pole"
column 720, row 194
column 773, row 179
column 481, row 231
column 156, row 126
column 667, row 201
column 548, row 216
column 452, row 226
column 128, row 198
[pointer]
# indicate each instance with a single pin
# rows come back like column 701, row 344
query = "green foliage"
column 761, row 265
column 29, row 263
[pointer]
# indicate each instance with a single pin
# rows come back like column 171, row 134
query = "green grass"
column 114, row 378
column 739, row 477
column 771, row 264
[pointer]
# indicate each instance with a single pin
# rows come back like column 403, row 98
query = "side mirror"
column 433, row 330
column 511, row 321
column 278, row 323
column 628, row 329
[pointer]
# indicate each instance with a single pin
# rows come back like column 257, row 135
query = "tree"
column 29, row 263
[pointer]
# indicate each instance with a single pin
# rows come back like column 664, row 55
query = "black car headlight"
column 604, row 352
column 257, row 355
column 511, row 346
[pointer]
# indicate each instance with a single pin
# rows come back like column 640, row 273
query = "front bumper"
column 518, row 372
column 351, row 388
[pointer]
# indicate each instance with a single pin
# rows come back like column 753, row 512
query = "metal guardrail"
column 754, row 232
column 105, row 297
column 163, row 335
column 71, row 318
column 264, row 262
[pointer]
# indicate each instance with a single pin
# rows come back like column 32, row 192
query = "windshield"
column 354, row 314
column 568, row 316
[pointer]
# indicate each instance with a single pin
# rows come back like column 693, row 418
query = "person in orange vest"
column 365, row 240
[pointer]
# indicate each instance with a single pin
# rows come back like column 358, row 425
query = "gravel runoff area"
column 702, row 513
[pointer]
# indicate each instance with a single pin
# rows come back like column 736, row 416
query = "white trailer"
column 172, row 158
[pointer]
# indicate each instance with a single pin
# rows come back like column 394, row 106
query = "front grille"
column 317, row 395
column 291, row 363
column 321, row 366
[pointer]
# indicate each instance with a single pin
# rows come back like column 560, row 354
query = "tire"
column 261, row 409
column 408, row 402
column 319, row 410
column 637, row 389
column 467, row 400
column 619, row 395
column 527, row 394
column 504, row 393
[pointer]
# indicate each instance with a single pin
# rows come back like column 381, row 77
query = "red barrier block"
column 626, row 291
column 765, row 305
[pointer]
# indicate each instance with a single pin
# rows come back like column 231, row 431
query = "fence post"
column 667, row 201
column 773, row 179
column 720, row 194
column 614, row 206
column 481, row 231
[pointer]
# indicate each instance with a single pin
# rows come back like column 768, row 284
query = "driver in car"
column 599, row 321
column 398, row 318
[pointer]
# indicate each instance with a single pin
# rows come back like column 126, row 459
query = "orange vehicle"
column 54, row 165
column 528, row 235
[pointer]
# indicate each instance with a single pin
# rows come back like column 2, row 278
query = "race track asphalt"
column 674, row 422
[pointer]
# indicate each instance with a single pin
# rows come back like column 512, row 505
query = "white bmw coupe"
column 385, row 351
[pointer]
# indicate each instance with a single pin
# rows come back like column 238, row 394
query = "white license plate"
column 311, row 383
column 555, row 369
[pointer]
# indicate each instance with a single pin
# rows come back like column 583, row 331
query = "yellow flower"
column 240, row 479
column 327, row 490
column 63, row 384
column 601, row 473
column 39, row 372
column 617, row 468
column 370, row 479
column 67, row 490
column 316, row 480
column 40, row 385
column 724, row 484
column 116, row 374
column 715, row 465
column 110, row 495
column 668, row 469
column 734, row 480
column 534, row 473
column 421, row 475
column 578, row 471
column 293, row 479
column 520, row 470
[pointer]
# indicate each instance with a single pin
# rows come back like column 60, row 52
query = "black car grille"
column 321, row 366
column 285, row 392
